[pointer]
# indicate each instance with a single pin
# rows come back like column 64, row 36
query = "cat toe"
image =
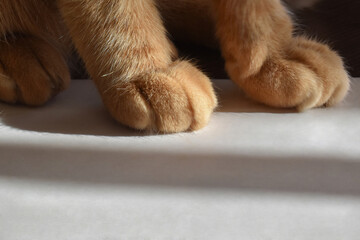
column 177, row 99
column 31, row 72
column 305, row 75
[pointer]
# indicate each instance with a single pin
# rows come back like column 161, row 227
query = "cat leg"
column 128, row 55
column 31, row 70
column 271, row 65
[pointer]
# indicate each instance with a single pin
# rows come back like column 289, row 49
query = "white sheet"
column 68, row 171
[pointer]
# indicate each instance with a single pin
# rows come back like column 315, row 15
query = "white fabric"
column 68, row 171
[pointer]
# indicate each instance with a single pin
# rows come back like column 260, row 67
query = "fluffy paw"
column 177, row 99
column 306, row 75
column 31, row 71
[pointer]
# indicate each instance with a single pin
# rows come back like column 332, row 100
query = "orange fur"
column 134, row 65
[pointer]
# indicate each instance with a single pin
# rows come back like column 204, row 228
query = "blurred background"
column 335, row 22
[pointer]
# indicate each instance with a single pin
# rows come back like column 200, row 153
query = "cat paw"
column 177, row 99
column 306, row 75
column 31, row 71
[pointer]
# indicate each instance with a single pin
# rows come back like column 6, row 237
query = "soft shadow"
column 184, row 170
column 233, row 99
column 90, row 120
column 79, row 110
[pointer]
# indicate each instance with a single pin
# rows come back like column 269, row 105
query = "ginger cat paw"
column 31, row 71
column 176, row 99
column 332, row 80
column 306, row 74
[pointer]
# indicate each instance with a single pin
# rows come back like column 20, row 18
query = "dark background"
column 335, row 22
